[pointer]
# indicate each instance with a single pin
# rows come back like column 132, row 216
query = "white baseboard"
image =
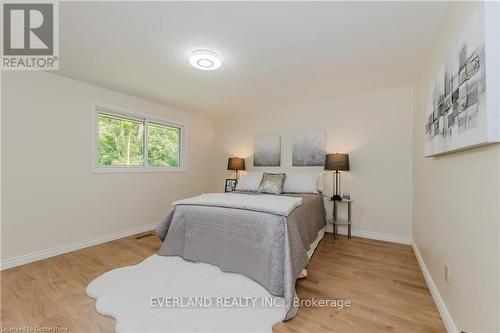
column 55, row 251
column 373, row 235
column 450, row 325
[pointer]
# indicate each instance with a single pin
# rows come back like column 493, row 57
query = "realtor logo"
column 29, row 35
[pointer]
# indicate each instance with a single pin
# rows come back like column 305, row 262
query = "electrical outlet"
column 446, row 272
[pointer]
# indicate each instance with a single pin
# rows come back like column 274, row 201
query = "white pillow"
column 301, row 182
column 249, row 182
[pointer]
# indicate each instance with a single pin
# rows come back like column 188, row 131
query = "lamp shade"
column 337, row 162
column 236, row 163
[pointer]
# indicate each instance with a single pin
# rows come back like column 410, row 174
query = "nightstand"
column 336, row 221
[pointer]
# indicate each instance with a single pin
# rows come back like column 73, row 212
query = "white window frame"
column 118, row 112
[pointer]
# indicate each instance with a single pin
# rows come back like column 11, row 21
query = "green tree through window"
column 163, row 145
column 121, row 142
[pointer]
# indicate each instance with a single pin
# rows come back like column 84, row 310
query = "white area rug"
column 125, row 294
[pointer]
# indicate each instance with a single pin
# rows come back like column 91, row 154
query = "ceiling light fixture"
column 205, row 60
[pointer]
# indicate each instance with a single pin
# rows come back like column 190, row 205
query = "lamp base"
column 337, row 197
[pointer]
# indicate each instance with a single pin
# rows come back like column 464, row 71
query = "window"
column 125, row 142
column 121, row 141
column 163, row 145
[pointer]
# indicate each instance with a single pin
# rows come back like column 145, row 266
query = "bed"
column 269, row 238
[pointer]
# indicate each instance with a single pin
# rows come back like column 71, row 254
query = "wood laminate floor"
column 382, row 280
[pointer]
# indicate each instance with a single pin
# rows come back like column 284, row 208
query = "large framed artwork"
column 309, row 149
column 267, row 151
column 463, row 107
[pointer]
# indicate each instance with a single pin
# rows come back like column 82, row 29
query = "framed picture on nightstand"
column 230, row 185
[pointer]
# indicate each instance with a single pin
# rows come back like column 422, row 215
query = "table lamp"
column 236, row 164
column 337, row 162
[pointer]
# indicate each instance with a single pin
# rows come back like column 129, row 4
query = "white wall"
column 456, row 208
column 374, row 128
column 50, row 197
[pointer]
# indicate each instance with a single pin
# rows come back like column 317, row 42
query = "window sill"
column 137, row 170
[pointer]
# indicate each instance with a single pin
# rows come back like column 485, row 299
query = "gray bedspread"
column 270, row 249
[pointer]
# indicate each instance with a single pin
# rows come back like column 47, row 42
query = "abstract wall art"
column 267, row 151
column 463, row 110
column 309, row 149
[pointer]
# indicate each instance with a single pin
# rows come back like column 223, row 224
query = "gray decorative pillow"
column 272, row 183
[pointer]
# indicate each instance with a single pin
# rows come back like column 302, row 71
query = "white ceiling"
column 275, row 54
